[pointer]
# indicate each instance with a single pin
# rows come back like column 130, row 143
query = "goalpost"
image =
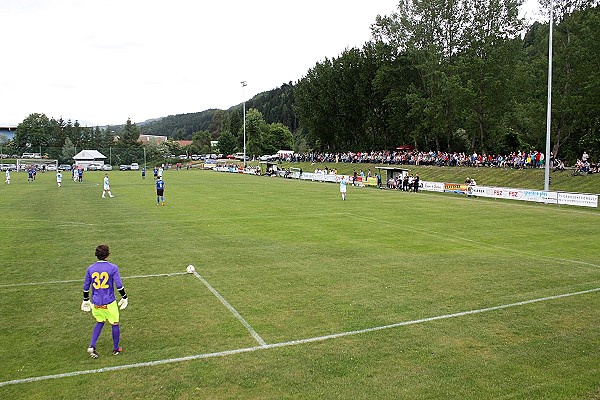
column 43, row 164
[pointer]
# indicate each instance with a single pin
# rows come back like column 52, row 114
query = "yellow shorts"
column 109, row 312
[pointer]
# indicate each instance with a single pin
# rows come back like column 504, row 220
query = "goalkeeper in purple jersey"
column 103, row 277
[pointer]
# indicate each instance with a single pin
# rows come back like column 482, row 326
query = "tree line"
column 459, row 75
column 447, row 75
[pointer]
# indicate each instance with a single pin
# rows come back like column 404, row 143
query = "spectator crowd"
column 515, row 160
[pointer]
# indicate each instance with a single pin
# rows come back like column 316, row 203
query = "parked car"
column 240, row 156
column 135, row 166
column 64, row 167
column 31, row 155
column 94, row 167
column 107, row 167
column 124, row 167
column 51, row 167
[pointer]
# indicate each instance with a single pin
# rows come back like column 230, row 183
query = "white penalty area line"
column 254, row 334
column 287, row 344
column 81, row 280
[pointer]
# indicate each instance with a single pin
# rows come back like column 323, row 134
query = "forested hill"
column 275, row 105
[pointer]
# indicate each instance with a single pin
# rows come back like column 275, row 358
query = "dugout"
column 269, row 168
column 391, row 172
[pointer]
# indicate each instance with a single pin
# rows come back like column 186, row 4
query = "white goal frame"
column 24, row 163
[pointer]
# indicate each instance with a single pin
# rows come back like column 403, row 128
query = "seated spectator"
column 559, row 166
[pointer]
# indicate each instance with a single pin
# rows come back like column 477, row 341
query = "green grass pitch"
column 313, row 276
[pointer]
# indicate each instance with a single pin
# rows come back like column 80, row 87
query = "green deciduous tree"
column 34, row 132
column 201, row 142
column 256, row 130
column 227, row 143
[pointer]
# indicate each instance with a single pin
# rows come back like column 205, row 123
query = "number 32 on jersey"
column 100, row 280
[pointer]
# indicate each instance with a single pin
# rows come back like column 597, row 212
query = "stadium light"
column 549, row 109
column 244, row 105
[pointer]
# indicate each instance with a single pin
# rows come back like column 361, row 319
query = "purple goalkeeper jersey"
column 103, row 277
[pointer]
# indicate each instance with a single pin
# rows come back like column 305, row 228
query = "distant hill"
column 180, row 126
column 276, row 106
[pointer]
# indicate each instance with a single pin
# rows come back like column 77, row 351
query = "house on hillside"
column 183, row 143
column 152, row 139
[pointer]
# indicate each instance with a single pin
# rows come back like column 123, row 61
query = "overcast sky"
column 102, row 62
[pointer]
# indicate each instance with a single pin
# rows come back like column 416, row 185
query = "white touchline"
column 81, row 280
column 286, row 344
column 254, row 334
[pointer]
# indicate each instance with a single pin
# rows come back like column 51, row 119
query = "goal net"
column 44, row 164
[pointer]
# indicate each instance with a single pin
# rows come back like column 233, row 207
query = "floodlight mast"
column 549, row 109
column 244, row 107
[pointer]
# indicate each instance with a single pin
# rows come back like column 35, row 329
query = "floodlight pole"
column 244, row 106
column 549, row 109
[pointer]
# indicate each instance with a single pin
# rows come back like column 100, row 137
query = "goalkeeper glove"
column 86, row 306
column 123, row 303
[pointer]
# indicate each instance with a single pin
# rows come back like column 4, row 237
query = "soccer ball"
column 190, row 269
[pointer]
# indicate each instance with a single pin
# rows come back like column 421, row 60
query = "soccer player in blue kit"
column 160, row 191
column 103, row 277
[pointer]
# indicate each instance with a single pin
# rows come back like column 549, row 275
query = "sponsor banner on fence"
column 455, row 188
column 311, row 176
column 578, row 199
column 538, row 196
column 431, row 186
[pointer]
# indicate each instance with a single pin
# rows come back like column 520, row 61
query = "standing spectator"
column 416, row 183
column 471, row 185
column 160, row 190
column 103, row 277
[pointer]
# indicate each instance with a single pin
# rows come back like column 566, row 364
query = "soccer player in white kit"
column 7, row 180
column 59, row 179
column 106, row 187
column 343, row 184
